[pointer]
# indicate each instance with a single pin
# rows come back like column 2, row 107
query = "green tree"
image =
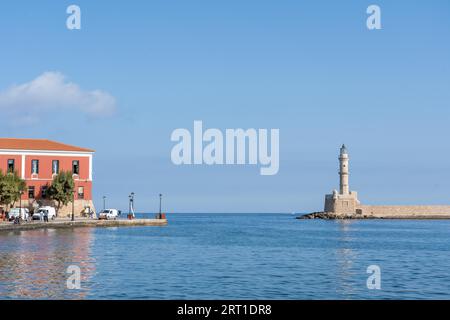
column 11, row 186
column 61, row 189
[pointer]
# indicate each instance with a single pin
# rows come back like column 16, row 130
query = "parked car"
column 109, row 214
column 46, row 211
column 23, row 213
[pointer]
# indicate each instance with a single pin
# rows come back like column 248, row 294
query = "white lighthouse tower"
column 343, row 171
column 345, row 201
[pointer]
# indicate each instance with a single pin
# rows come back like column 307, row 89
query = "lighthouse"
column 343, row 201
column 343, row 171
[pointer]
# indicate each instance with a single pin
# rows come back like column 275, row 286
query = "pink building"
column 37, row 161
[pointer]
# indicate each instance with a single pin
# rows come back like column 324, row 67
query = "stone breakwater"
column 378, row 215
column 67, row 223
column 329, row 216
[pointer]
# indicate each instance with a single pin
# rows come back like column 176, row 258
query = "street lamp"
column 131, row 197
column 20, row 203
column 20, row 199
column 73, row 204
column 160, row 200
column 104, row 202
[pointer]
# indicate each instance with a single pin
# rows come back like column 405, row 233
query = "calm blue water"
column 231, row 256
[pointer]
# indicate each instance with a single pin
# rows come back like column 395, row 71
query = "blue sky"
column 310, row 68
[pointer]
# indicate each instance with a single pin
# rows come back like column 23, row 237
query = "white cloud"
column 52, row 92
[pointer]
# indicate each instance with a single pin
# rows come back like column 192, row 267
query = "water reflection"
column 345, row 257
column 33, row 263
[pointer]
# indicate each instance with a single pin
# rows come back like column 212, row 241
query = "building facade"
column 38, row 161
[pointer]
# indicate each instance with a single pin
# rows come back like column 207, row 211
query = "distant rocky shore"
column 340, row 216
column 332, row 216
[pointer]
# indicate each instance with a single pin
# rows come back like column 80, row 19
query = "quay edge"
column 58, row 224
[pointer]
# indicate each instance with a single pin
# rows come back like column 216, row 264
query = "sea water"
column 231, row 256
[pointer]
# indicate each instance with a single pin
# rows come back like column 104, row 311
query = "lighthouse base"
column 346, row 204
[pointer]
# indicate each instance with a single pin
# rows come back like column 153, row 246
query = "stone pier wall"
column 404, row 211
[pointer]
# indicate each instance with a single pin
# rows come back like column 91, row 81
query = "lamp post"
column 20, row 199
column 160, row 201
column 131, row 197
column 104, row 202
column 73, row 204
column 20, row 203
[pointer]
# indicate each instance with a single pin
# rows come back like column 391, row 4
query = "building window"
column 44, row 192
column 80, row 192
column 10, row 165
column 76, row 167
column 31, row 192
column 55, row 166
column 34, row 166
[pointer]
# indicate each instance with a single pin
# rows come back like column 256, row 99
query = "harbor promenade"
column 79, row 222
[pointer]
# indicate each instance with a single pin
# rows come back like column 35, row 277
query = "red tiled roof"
column 38, row 144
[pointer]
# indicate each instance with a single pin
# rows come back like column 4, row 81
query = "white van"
column 46, row 211
column 23, row 213
column 109, row 214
